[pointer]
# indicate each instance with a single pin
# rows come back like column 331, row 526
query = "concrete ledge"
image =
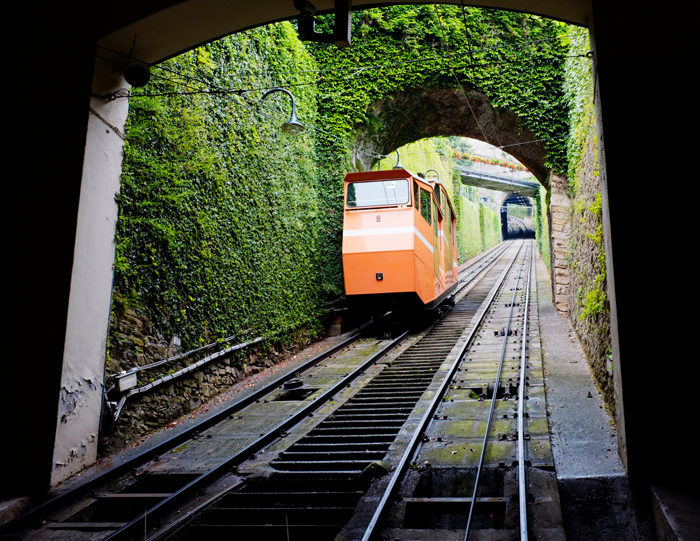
column 676, row 513
column 12, row 508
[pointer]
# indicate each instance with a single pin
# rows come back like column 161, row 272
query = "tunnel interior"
column 47, row 218
column 516, row 217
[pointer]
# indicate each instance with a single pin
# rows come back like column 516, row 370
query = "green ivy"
column 219, row 221
column 515, row 59
column 229, row 226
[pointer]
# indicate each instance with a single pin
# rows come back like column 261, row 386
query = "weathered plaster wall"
column 80, row 395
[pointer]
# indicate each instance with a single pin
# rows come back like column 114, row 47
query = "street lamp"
column 398, row 161
column 434, row 171
column 292, row 126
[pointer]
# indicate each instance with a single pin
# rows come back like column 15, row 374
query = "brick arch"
column 417, row 113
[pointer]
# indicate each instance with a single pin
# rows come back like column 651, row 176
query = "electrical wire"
column 461, row 88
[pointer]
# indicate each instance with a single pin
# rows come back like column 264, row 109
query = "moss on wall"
column 588, row 305
column 219, row 213
column 540, row 222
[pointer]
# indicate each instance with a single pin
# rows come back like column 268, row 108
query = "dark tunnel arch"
column 511, row 227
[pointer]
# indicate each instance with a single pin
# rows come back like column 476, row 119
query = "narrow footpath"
column 596, row 501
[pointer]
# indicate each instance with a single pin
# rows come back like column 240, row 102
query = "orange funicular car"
column 398, row 241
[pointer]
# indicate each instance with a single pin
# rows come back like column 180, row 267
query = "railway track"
column 479, row 466
column 307, row 458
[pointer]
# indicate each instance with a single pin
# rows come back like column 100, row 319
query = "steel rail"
column 521, row 412
column 33, row 515
column 493, row 404
column 271, row 435
column 465, row 282
column 495, row 252
column 404, row 462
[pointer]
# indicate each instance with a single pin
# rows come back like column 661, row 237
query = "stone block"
column 562, row 307
column 559, row 200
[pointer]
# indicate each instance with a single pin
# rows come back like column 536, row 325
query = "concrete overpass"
column 499, row 183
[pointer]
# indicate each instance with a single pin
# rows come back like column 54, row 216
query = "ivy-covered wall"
column 219, row 232
column 540, row 222
column 230, row 228
column 515, row 59
column 219, row 220
column 588, row 306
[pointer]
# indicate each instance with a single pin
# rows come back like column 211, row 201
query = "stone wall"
column 589, row 307
column 132, row 345
column 560, row 234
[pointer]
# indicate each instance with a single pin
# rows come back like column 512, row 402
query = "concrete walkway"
column 597, row 504
column 584, row 438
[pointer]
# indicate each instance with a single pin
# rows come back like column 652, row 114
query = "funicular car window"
column 425, row 204
column 378, row 193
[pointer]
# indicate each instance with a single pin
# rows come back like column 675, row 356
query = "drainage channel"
column 310, row 488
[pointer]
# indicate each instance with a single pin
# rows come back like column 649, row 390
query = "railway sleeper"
column 196, row 532
column 415, row 395
column 298, row 456
column 360, row 407
column 362, row 423
column 283, row 499
column 321, row 465
column 300, row 514
column 350, row 438
column 357, row 399
column 355, row 431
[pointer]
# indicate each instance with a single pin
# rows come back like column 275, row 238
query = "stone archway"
column 418, row 113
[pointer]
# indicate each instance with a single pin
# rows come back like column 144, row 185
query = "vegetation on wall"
column 588, row 305
column 540, row 223
column 219, row 212
column 229, row 226
column 583, row 186
column 515, row 59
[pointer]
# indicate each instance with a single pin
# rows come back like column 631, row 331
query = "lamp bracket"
column 341, row 35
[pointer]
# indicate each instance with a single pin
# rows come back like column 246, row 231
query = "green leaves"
column 229, row 226
column 209, row 187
